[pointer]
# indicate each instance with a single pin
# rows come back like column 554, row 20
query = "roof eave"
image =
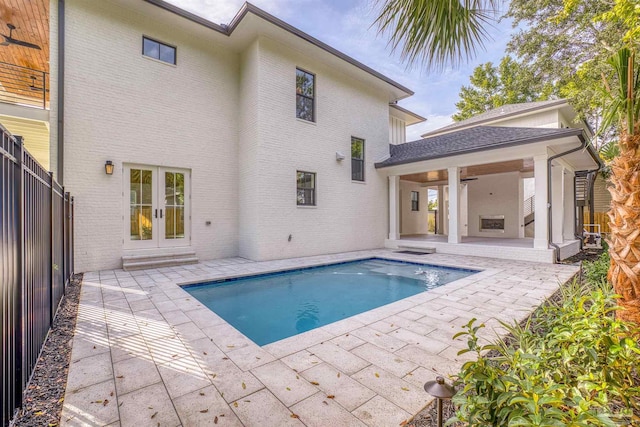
column 522, row 141
column 250, row 8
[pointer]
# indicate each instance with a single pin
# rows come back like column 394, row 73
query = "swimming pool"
column 269, row 307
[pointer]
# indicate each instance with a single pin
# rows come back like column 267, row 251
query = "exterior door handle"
column 156, row 214
column 160, row 213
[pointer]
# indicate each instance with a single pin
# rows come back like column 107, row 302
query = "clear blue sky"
column 346, row 25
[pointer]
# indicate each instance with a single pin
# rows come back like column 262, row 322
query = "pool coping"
column 135, row 320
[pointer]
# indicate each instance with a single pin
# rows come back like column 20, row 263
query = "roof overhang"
column 586, row 159
column 409, row 117
column 252, row 22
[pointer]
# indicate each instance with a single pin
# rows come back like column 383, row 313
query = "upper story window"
column 415, row 201
column 357, row 159
column 157, row 50
column 305, row 95
column 306, row 188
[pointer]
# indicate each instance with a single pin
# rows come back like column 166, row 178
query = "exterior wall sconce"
column 108, row 167
column 440, row 390
column 339, row 156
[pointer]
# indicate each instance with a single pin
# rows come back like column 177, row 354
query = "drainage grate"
column 413, row 252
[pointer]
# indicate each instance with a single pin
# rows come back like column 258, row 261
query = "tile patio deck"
column 146, row 353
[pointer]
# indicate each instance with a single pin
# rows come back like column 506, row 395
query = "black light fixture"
column 108, row 167
column 440, row 390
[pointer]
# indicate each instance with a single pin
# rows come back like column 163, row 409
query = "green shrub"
column 595, row 272
column 563, row 368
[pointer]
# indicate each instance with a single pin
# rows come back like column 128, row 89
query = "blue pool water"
column 268, row 308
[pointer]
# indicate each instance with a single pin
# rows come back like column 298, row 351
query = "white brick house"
column 257, row 140
column 224, row 117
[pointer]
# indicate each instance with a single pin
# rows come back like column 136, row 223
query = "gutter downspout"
column 583, row 145
column 61, row 26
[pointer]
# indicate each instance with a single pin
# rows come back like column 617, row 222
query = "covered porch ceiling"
column 31, row 21
column 441, row 176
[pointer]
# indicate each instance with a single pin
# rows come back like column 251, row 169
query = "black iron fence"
column 36, row 262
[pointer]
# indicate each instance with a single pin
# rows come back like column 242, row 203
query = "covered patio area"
column 501, row 192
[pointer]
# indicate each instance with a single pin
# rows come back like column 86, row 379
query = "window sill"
column 355, row 181
column 306, row 121
column 148, row 58
column 307, row 207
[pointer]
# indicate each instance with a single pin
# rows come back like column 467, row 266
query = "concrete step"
column 151, row 259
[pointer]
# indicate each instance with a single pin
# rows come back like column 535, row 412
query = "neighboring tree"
column 567, row 43
column 435, row 33
column 510, row 82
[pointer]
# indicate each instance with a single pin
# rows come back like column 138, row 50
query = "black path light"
column 440, row 390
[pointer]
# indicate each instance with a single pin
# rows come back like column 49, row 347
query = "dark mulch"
column 43, row 398
column 584, row 255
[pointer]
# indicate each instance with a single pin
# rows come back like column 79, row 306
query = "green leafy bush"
column 565, row 367
column 595, row 272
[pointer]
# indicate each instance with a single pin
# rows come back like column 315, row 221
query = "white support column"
column 394, row 207
column 557, row 202
column 568, row 231
column 441, row 209
column 454, row 205
column 520, row 208
column 540, row 240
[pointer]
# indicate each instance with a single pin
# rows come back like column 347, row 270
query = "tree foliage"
column 435, row 33
column 568, row 42
column 492, row 86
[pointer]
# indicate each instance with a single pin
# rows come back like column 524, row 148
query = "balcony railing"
column 24, row 86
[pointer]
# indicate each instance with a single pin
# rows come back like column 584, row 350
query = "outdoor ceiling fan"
column 8, row 40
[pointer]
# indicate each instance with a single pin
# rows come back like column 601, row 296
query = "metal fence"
column 36, row 262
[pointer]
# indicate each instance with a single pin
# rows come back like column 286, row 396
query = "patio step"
column 155, row 259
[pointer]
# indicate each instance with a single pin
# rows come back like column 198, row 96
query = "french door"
column 157, row 211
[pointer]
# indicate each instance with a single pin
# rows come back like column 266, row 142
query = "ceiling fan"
column 10, row 40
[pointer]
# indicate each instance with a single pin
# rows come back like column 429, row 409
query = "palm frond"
column 624, row 103
column 436, row 33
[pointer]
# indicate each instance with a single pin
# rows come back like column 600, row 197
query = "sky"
column 347, row 26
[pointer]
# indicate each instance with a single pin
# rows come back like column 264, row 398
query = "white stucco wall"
column 349, row 215
column 542, row 119
column 494, row 195
column 413, row 222
column 124, row 107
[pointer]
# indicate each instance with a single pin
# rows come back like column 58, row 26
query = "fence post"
column 52, row 246
column 19, row 339
column 64, row 241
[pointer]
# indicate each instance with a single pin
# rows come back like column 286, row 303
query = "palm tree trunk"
column 624, row 218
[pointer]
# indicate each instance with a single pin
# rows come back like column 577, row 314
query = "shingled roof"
column 498, row 113
column 471, row 140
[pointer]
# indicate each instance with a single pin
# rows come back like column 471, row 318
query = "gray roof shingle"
column 475, row 139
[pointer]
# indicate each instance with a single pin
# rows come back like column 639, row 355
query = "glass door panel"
column 156, row 207
column 141, row 191
column 175, row 208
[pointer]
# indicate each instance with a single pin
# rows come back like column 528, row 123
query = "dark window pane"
column 151, row 48
column 304, row 108
column 306, row 191
column 168, row 54
column 357, row 170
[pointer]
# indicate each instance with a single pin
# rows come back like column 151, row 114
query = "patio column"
column 520, row 207
column 441, row 216
column 569, row 206
column 557, row 201
column 541, row 207
column 394, row 207
column 454, row 204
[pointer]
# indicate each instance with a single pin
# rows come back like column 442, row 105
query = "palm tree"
column 624, row 216
column 436, row 32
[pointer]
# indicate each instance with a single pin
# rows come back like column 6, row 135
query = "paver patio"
column 146, row 353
